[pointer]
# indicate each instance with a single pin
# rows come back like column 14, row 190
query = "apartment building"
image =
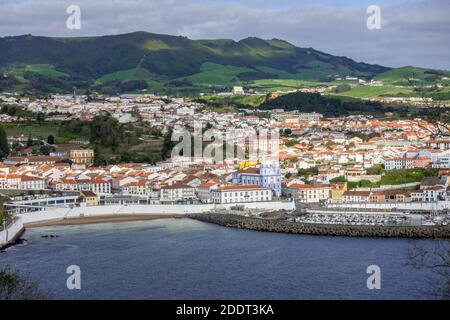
column 101, row 186
column 138, row 188
column 82, row 156
column 240, row 194
column 177, row 193
column 32, row 183
column 204, row 191
column 443, row 144
column 405, row 163
column 357, row 196
column 308, row 193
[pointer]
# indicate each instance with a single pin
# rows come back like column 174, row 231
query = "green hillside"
column 124, row 75
column 216, row 74
column 410, row 74
column 164, row 60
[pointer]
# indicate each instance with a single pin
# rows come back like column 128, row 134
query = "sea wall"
column 52, row 214
column 258, row 224
column 12, row 232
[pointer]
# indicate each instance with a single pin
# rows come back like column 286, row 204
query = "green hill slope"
column 412, row 74
column 88, row 61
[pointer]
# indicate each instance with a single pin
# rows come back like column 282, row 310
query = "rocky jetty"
column 283, row 226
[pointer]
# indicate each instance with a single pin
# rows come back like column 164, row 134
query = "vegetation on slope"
column 83, row 61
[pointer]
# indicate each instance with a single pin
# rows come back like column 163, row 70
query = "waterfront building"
column 337, row 191
column 357, row 196
column 101, row 186
column 90, row 198
column 305, row 193
column 434, row 188
column 177, row 193
column 138, row 188
column 204, row 191
column 240, row 194
column 267, row 175
column 32, row 183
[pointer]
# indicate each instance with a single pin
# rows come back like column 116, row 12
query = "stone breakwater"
column 282, row 226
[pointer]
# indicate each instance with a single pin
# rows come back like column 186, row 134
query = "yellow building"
column 249, row 163
column 337, row 191
column 90, row 198
column 82, row 156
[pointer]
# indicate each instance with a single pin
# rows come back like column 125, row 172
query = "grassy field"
column 216, row 74
column 271, row 85
column 405, row 75
column 250, row 100
column 373, row 92
column 41, row 131
column 130, row 74
column 396, row 177
column 225, row 103
column 47, row 70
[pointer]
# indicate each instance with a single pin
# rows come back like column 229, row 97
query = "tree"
column 45, row 150
column 291, row 143
column 343, row 88
column 376, row 169
column 106, row 131
column 97, row 159
column 4, row 146
column 51, row 139
column 3, row 216
column 339, row 179
column 435, row 258
column 30, row 141
column 14, row 286
column 168, row 144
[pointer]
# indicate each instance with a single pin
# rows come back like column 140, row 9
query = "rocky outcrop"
column 283, row 226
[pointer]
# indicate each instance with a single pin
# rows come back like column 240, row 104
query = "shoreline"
column 263, row 225
column 103, row 219
column 281, row 226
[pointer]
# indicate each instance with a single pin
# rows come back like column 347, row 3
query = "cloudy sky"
column 413, row 32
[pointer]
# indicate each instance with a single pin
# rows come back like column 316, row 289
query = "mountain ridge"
column 165, row 58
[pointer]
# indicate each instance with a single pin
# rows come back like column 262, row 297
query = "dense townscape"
column 224, row 151
column 316, row 161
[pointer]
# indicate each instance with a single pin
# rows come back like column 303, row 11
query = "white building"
column 31, row 183
column 240, row 194
column 101, row 186
column 267, row 175
column 204, row 191
column 238, row 90
column 177, row 192
column 399, row 163
column 308, row 193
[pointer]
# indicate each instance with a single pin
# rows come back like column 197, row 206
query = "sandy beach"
column 104, row 219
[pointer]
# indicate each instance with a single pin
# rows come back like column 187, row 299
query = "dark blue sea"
column 187, row 259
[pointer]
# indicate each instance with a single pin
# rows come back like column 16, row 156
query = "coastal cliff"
column 282, row 226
